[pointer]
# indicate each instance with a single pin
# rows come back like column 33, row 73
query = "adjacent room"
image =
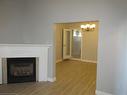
column 76, row 56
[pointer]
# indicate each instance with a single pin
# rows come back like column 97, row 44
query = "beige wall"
column 58, row 41
column 90, row 44
column 90, row 41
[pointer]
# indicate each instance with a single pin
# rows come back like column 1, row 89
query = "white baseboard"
column 75, row 59
column 60, row 60
column 52, row 79
column 83, row 60
column 102, row 93
column 90, row 61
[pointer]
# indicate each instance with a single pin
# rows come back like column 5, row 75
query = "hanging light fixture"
column 88, row 27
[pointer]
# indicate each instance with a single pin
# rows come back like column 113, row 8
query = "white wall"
column 121, row 62
column 38, row 28
column 43, row 13
column 11, row 21
column 17, row 26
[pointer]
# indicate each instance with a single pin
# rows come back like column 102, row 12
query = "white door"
column 67, row 37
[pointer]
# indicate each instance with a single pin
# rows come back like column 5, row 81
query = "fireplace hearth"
column 21, row 70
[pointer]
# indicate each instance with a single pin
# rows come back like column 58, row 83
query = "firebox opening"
column 21, row 70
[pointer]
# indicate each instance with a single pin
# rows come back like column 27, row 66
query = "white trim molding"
column 102, row 93
column 76, row 59
column 90, row 61
column 83, row 60
column 52, row 79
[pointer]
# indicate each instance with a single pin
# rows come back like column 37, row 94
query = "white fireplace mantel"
column 39, row 51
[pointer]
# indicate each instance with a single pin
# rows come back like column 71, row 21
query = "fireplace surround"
column 38, row 51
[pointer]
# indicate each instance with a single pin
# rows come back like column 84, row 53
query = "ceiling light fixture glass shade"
column 88, row 27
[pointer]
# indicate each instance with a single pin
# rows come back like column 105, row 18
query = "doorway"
column 76, row 56
column 72, row 44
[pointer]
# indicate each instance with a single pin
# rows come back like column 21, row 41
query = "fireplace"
column 21, row 70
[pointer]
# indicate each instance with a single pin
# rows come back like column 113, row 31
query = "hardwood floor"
column 73, row 78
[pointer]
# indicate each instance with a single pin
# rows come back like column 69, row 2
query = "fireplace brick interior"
column 21, row 70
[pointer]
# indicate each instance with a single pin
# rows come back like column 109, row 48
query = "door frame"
column 63, row 43
column 81, row 54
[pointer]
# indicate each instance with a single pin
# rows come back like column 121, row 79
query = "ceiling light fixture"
column 88, row 27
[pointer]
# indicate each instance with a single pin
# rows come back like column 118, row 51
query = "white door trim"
column 102, row 93
column 64, row 43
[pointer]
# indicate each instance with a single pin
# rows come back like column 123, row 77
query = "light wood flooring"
column 73, row 78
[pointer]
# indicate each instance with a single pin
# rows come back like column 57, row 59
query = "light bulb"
column 87, row 25
column 92, row 26
column 82, row 26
